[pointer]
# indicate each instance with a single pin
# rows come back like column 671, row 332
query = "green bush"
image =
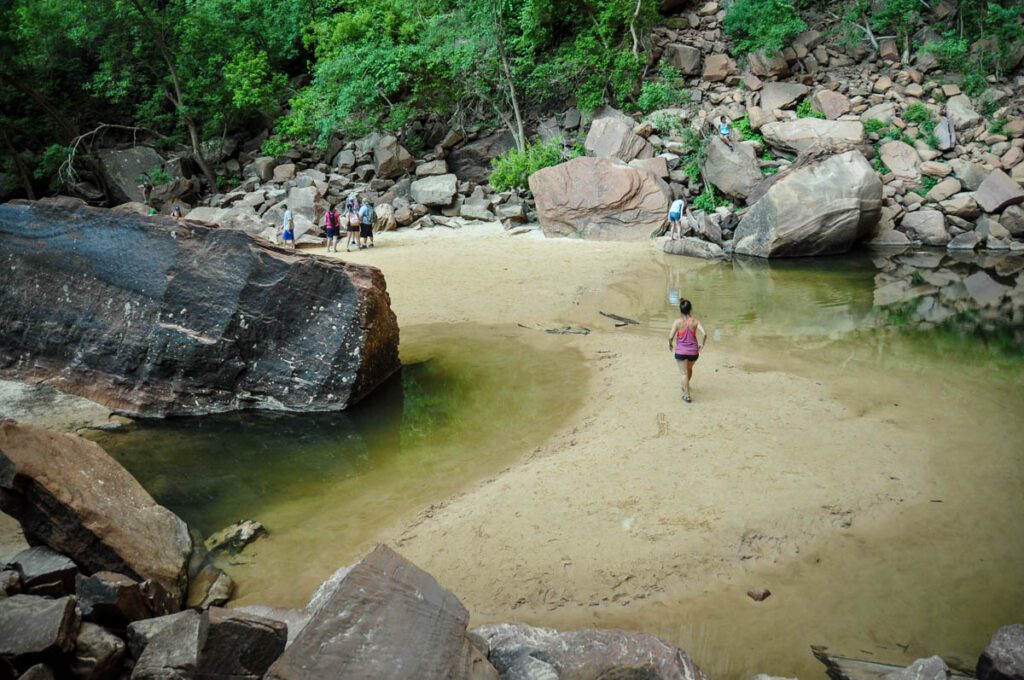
column 275, row 146
column 157, row 176
column 805, row 110
column 767, row 25
column 746, row 132
column 920, row 115
column 998, row 126
column 874, row 125
column 655, row 96
column 709, row 200
column 513, row 170
column 927, row 184
column 667, row 123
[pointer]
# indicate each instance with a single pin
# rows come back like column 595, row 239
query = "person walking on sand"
column 332, row 227
column 351, row 219
column 366, row 217
column 288, row 228
column 683, row 342
column 675, row 218
column 725, row 132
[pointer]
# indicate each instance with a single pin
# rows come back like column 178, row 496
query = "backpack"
column 370, row 216
column 353, row 219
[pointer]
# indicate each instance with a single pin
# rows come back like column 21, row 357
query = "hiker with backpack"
column 366, row 217
column 352, row 222
column 332, row 227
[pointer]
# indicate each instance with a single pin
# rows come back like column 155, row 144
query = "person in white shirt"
column 675, row 218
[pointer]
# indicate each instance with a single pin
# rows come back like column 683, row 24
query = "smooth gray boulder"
column 961, row 112
column 734, row 172
column 436, row 191
column 610, row 137
column 797, row 136
column 819, row 206
column 693, row 247
column 686, row 58
column 587, row 654
column 123, row 168
column 779, row 95
column 1003, row 658
column 997, row 192
column 926, row 226
column 390, row 159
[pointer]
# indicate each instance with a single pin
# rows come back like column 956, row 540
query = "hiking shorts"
column 366, row 230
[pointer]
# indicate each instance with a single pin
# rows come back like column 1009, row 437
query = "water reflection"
column 950, row 295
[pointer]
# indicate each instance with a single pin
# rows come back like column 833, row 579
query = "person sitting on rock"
column 725, row 132
column 176, row 214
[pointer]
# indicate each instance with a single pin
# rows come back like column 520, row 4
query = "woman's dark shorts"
column 366, row 230
column 332, row 232
column 687, row 357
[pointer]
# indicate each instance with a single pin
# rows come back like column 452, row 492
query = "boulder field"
column 154, row 317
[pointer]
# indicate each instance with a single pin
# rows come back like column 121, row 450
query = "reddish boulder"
column 601, row 199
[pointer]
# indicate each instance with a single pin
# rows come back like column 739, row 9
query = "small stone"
column 997, row 192
column 759, row 594
column 98, row 654
column 943, row 190
column 235, row 537
column 45, row 572
column 882, row 85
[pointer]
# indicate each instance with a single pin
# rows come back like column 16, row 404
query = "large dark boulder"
column 70, row 495
column 1003, row 658
column 153, row 316
column 33, row 627
column 112, row 600
column 585, row 654
column 472, row 162
column 44, row 572
column 386, row 619
column 218, row 643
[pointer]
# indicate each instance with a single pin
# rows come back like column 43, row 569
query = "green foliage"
column 767, row 25
column 897, row 17
column 746, row 132
column 275, row 146
column 873, row 125
column 927, row 184
column 769, row 170
column 157, row 176
column 227, row 183
column 692, row 171
column 668, row 123
column 709, row 200
column 998, row 126
column 805, row 110
column 920, row 115
column 513, row 170
column 655, row 95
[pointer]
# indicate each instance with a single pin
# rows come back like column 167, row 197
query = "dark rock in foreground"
column 387, row 618
column 1003, row 658
column 45, row 572
column 71, row 496
column 32, row 627
column 156, row 317
column 218, row 643
column 515, row 649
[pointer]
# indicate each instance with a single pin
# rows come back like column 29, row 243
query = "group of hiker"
column 357, row 218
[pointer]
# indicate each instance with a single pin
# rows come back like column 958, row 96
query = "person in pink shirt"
column 683, row 342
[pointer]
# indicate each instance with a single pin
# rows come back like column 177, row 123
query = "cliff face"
column 157, row 317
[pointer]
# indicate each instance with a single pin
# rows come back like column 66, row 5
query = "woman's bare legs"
column 684, row 372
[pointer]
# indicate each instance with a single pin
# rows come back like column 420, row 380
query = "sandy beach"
column 639, row 494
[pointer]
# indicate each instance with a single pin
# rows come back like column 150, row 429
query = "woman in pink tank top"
column 683, row 342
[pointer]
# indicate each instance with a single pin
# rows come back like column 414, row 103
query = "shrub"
column 655, row 96
column 667, row 123
column 157, row 176
column 921, row 116
column 873, row 125
column 927, row 184
column 708, row 200
column 746, row 132
column 692, row 171
column 513, row 170
column 805, row 110
column 275, row 146
column 998, row 126
column 762, row 25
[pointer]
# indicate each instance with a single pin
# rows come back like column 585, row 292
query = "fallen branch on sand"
column 622, row 321
column 562, row 330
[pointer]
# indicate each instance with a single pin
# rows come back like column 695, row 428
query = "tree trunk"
column 519, row 134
